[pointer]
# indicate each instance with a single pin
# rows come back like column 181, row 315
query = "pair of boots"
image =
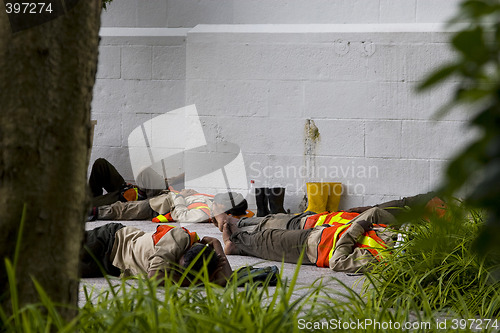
column 322, row 197
column 269, row 200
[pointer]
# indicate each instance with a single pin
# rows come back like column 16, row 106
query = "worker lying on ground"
column 127, row 251
column 343, row 247
column 141, row 203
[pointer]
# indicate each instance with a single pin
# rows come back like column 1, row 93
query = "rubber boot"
column 261, row 201
column 334, row 193
column 317, row 196
column 276, row 197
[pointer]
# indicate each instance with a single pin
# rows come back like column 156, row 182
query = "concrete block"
column 136, row 62
column 424, row 59
column 353, row 173
column 247, row 98
column 258, row 170
column 109, row 62
column 152, row 96
column 397, row 11
column 347, row 202
column 132, row 121
column 152, row 13
column 396, row 177
column 427, row 104
column 340, row 138
column 293, row 172
column 255, row 136
column 436, row 11
column 438, row 172
column 258, row 61
column 108, row 96
column 108, row 130
column 387, row 63
column 202, row 60
column 433, row 139
column 287, row 171
column 169, row 63
column 211, row 128
column 340, row 60
column 286, row 99
column 120, row 14
column 189, row 13
column 382, row 138
column 212, row 172
column 279, row 61
column 356, row 100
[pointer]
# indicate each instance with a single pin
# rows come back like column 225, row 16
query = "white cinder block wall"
column 258, row 84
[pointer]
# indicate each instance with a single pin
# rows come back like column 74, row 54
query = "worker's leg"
column 130, row 210
column 272, row 244
column 104, row 176
column 97, row 249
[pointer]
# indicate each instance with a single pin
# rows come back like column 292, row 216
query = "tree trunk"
column 47, row 73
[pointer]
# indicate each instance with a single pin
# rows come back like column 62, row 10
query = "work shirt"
column 134, row 251
column 347, row 255
column 190, row 209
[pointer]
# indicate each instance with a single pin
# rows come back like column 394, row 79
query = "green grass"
column 434, row 276
column 438, row 269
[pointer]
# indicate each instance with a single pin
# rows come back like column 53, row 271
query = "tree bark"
column 47, row 73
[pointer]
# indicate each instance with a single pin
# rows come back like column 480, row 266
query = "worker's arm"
column 181, row 213
column 347, row 257
column 223, row 271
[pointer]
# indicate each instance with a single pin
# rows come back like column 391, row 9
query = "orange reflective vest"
column 163, row 218
column 161, row 230
column 200, row 205
column 329, row 218
column 329, row 237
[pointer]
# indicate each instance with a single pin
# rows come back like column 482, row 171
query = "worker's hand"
column 358, row 209
column 209, row 241
column 187, row 192
column 366, row 225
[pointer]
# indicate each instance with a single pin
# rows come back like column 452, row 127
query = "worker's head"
column 231, row 203
column 199, row 255
column 435, row 206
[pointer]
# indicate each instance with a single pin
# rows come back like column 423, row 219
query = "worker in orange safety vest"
column 346, row 243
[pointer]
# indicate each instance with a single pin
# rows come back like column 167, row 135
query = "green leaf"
column 478, row 8
column 472, row 46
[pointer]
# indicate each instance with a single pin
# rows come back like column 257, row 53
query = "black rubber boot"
column 261, row 201
column 276, row 197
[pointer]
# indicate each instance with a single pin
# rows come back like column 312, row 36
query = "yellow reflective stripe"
column 368, row 241
column 338, row 218
column 321, row 220
column 162, row 218
column 339, row 229
column 372, row 243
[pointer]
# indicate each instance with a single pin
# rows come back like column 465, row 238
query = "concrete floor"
column 307, row 274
